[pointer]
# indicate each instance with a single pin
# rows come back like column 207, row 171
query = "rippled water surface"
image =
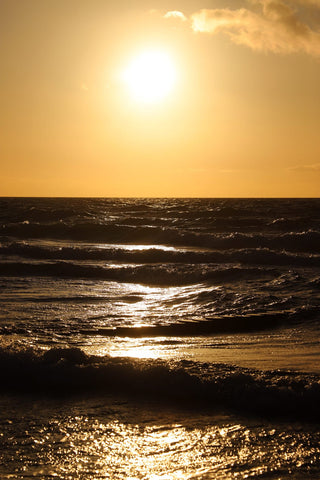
column 159, row 339
column 111, row 438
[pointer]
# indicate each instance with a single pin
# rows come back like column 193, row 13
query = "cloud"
column 315, row 3
column 315, row 167
column 305, row 3
column 231, row 170
column 268, row 25
column 176, row 15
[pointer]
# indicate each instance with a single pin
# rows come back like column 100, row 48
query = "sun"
column 150, row 76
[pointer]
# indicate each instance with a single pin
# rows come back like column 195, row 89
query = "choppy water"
column 205, row 310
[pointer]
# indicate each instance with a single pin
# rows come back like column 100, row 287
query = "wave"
column 152, row 274
column 210, row 325
column 261, row 256
column 157, row 255
column 61, row 371
column 275, row 210
column 303, row 241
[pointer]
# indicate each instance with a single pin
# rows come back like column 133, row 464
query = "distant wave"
column 285, row 214
column 251, row 256
column 70, row 371
column 148, row 274
column 302, row 241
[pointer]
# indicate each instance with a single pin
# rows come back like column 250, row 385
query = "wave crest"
column 69, row 371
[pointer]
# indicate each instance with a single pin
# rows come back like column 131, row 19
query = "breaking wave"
column 301, row 241
column 63, row 371
column 262, row 256
column 149, row 274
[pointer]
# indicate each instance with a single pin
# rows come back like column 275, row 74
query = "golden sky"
column 88, row 108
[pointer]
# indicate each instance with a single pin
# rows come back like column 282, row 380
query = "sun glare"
column 150, row 76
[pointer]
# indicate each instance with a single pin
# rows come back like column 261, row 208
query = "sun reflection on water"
column 138, row 352
column 136, row 348
column 118, row 441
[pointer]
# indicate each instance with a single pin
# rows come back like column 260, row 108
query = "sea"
column 159, row 339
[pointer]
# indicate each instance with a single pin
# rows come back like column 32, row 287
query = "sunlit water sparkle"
column 115, row 314
column 112, row 439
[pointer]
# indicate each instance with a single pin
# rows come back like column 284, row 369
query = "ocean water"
column 159, row 338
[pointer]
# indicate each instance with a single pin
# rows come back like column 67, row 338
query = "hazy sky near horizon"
column 241, row 118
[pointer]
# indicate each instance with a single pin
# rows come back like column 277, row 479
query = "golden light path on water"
column 249, row 352
column 266, row 350
column 116, row 438
column 112, row 439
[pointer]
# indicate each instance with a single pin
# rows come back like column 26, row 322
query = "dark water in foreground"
column 159, row 339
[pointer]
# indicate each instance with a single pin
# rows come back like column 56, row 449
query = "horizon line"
column 161, row 197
